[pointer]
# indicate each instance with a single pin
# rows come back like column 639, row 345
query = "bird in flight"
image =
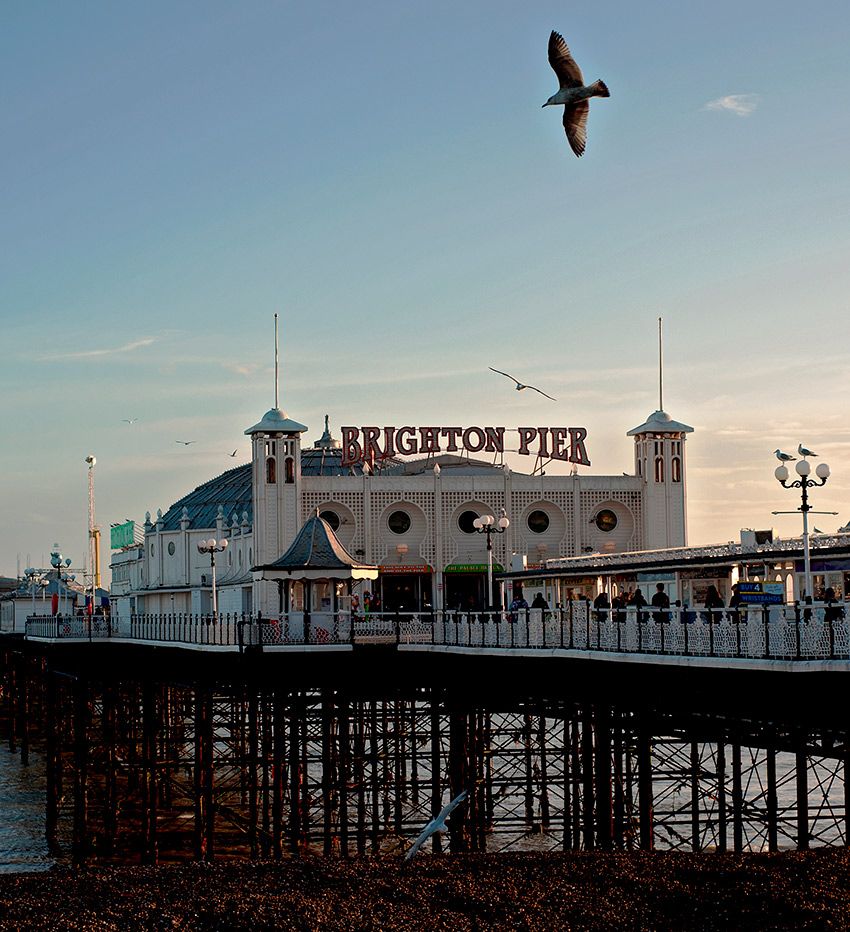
column 784, row 457
column 572, row 93
column 232, row 454
column 437, row 824
column 129, row 420
column 184, row 442
column 804, row 452
column 519, row 385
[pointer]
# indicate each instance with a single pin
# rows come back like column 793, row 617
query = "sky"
column 383, row 176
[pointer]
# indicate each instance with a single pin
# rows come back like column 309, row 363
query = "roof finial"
column 660, row 370
column 276, row 393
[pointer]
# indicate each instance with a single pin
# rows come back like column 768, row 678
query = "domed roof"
column 660, row 422
column 276, row 421
column 231, row 490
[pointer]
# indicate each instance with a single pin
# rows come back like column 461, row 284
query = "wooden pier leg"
column 344, row 773
column 53, row 748
column 587, row 778
column 696, row 843
column 436, row 769
column 458, row 779
column 278, row 751
column 252, row 768
column 645, row 800
column 602, row 762
column 149, row 774
column 772, row 800
column 80, row 839
column 737, row 799
column 619, row 798
column 722, row 831
column 802, row 793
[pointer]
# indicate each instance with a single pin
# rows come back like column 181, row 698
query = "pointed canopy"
column 276, row 421
column 316, row 553
column 660, row 422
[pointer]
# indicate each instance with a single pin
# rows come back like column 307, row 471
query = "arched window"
column 659, row 469
column 271, row 471
column 289, row 466
column 676, row 469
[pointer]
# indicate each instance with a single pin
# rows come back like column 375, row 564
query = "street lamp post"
column 487, row 524
column 212, row 547
column 803, row 468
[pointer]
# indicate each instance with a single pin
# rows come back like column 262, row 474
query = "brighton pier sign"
column 373, row 444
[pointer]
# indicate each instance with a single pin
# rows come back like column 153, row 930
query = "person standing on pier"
column 661, row 600
column 713, row 603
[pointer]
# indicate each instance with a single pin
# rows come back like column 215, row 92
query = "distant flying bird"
column 519, row 385
column 816, row 530
column 804, row 452
column 232, row 454
column 436, row 825
column 572, row 93
column 784, row 457
column 184, row 442
column 129, row 420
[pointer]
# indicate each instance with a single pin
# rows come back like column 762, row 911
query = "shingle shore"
column 589, row 890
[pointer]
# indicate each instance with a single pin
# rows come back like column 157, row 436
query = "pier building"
column 411, row 517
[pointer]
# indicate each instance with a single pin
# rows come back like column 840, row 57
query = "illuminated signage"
column 373, row 444
column 122, row 535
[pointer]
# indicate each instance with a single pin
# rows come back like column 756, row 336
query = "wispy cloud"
column 107, row 351
column 741, row 105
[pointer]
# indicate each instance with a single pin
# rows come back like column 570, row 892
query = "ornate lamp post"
column 212, row 547
column 35, row 580
column 61, row 564
column 487, row 524
column 803, row 468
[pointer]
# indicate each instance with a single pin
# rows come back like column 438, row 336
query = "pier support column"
column 802, row 792
column 149, row 774
column 645, row 801
column 602, row 763
column 80, row 839
column 459, row 779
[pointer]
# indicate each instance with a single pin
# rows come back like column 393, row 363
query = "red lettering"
column 543, row 434
column 481, row 439
column 429, row 439
column 405, row 440
column 578, row 451
column 371, row 447
column 559, row 436
column 495, row 439
column 352, row 452
column 389, row 437
column 451, row 434
column 526, row 435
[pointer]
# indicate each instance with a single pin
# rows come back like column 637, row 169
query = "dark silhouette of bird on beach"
column 572, row 92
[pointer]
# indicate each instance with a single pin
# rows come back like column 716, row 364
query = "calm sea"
column 22, row 843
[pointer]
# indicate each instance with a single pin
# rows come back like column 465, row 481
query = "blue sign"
column 761, row 593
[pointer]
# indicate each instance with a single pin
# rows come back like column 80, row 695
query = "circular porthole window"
column 466, row 521
column 171, row 548
column 606, row 520
column 538, row 522
column 399, row 522
column 332, row 518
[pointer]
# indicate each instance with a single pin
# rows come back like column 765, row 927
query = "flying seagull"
column 572, row 92
column 519, row 385
column 129, row 420
column 184, row 442
column 784, row 457
column 804, row 452
column 232, row 454
column 435, row 825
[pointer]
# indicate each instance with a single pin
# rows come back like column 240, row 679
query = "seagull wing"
column 575, row 126
column 563, row 64
column 450, row 807
column 427, row 832
column 505, row 374
column 541, row 392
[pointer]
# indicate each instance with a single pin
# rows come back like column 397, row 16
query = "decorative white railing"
column 786, row 632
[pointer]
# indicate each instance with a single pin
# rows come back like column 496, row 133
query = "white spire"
column 276, row 370
column 660, row 370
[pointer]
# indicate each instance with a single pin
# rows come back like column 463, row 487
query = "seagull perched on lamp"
column 437, row 824
column 572, row 92
column 804, row 452
column 784, row 457
column 520, row 385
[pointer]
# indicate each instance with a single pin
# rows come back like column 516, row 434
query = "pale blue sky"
column 384, row 176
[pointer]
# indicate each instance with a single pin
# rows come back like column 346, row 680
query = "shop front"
column 406, row 588
column 466, row 587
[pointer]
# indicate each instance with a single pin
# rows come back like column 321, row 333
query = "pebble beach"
column 587, row 890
